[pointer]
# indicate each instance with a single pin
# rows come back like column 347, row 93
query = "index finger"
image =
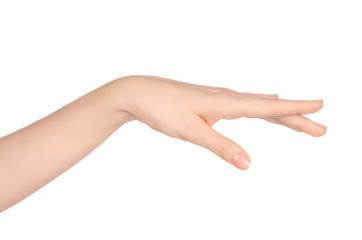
column 237, row 106
column 271, row 107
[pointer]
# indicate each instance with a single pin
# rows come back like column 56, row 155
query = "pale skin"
column 38, row 153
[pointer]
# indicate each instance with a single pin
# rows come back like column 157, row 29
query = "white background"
column 141, row 184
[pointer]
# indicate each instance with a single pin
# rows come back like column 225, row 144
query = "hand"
column 188, row 112
column 36, row 154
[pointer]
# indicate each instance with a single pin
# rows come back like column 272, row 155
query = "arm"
column 33, row 156
column 36, row 154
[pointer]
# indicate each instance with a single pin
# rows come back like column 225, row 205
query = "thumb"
column 205, row 136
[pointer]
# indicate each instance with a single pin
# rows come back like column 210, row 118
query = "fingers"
column 304, row 124
column 298, row 122
column 202, row 134
column 270, row 107
column 255, row 105
column 277, row 121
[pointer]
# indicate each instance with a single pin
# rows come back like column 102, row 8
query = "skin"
column 36, row 154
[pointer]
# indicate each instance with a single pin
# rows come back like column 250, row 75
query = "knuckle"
column 223, row 100
column 223, row 89
column 222, row 96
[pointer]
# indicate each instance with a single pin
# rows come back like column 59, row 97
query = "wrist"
column 119, row 96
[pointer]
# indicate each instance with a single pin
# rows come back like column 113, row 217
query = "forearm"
column 36, row 154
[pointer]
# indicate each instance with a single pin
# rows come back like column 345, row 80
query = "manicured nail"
column 240, row 161
column 321, row 125
column 318, row 100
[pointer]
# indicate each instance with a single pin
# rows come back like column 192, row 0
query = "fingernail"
column 240, row 161
column 321, row 125
column 318, row 100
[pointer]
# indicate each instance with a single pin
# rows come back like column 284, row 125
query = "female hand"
column 188, row 112
column 36, row 154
